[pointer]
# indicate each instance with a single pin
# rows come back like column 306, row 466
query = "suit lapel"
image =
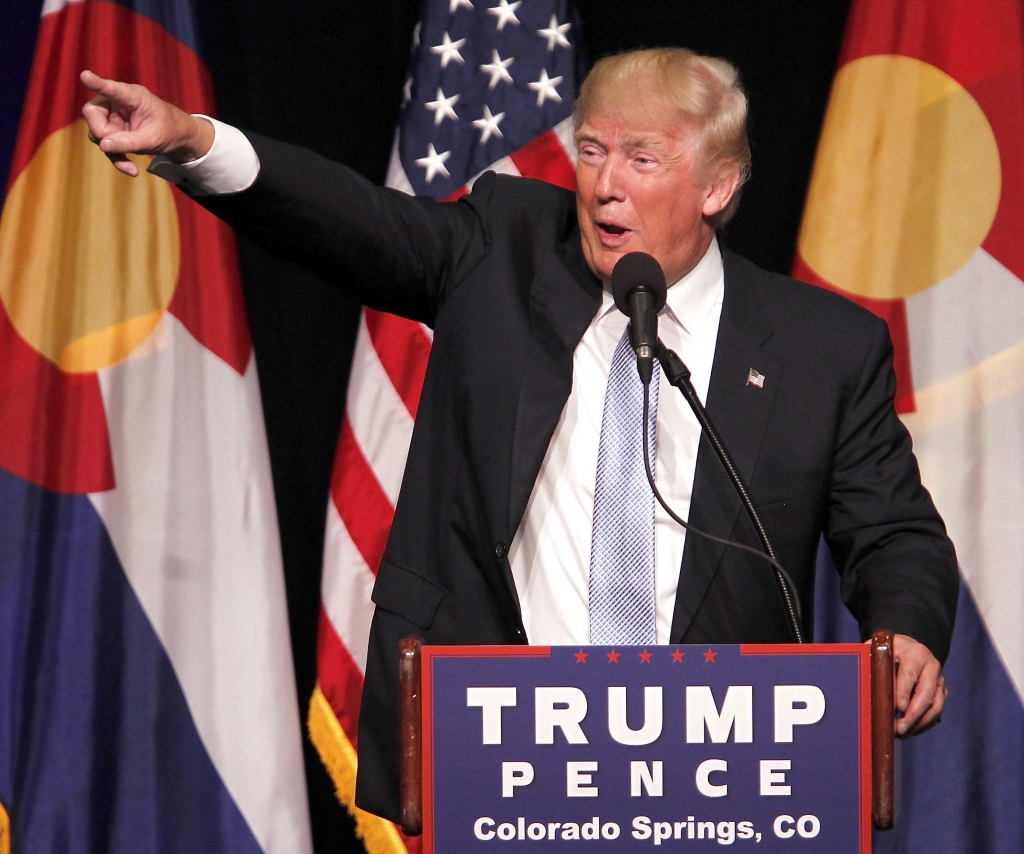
column 564, row 297
column 740, row 410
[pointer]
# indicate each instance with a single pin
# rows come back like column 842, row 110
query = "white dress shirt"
column 230, row 166
column 550, row 554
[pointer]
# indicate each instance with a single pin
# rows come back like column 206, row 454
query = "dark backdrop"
column 328, row 75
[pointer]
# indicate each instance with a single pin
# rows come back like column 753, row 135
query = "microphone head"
column 638, row 270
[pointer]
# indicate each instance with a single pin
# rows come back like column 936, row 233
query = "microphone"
column 638, row 285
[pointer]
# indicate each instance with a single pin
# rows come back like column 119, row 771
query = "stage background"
column 328, row 75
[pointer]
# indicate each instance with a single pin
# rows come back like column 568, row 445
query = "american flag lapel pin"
column 755, row 377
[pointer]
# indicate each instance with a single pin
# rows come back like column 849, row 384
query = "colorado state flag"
column 147, row 700
column 916, row 210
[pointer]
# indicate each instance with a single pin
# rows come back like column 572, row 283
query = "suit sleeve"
column 898, row 567
column 391, row 251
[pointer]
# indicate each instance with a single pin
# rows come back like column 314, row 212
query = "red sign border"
column 861, row 651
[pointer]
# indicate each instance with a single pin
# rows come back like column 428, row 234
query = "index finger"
column 112, row 89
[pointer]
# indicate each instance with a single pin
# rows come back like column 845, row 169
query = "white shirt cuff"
column 230, row 166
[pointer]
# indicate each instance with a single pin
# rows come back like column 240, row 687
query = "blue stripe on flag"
column 963, row 781
column 98, row 750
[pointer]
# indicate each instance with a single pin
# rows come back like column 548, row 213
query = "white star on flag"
column 455, row 4
column 545, row 88
column 488, row 125
column 505, row 12
column 449, row 50
column 555, row 34
column 434, row 163
column 442, row 108
column 498, row 69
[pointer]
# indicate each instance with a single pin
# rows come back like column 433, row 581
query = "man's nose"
column 610, row 186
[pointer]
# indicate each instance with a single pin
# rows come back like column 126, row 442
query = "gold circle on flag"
column 906, row 182
column 89, row 257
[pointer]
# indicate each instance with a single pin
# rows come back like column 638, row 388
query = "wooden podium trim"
column 883, row 737
column 410, row 736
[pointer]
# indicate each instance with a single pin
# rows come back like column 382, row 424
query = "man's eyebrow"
column 585, row 136
column 635, row 141
column 630, row 142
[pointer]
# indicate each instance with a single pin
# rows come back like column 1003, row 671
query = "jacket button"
column 499, row 550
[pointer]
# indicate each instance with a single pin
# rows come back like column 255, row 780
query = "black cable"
column 785, row 583
column 677, row 518
column 679, row 375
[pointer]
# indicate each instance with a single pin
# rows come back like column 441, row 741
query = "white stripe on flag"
column 505, row 166
column 194, row 524
column 396, row 177
column 380, row 421
column 51, row 6
column 346, row 589
column 563, row 130
column 967, row 349
column 973, row 314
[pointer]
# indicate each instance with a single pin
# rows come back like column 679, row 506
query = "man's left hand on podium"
column 920, row 687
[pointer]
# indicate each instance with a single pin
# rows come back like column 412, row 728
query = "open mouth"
column 610, row 229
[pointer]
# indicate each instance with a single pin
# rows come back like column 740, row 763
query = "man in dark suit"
column 501, row 526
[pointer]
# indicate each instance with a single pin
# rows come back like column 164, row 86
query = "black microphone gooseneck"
column 678, row 375
column 638, row 285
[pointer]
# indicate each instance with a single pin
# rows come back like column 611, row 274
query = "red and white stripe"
column 383, row 395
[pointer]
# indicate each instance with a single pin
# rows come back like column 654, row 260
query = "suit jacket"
column 501, row 278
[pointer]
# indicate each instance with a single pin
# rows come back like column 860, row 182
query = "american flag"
column 491, row 86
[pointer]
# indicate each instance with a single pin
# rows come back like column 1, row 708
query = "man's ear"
column 721, row 191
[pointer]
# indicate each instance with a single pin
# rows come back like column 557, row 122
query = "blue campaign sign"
column 554, row 748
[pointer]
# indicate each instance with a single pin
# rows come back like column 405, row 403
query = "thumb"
column 126, row 142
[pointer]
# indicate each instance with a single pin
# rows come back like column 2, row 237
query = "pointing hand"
column 125, row 118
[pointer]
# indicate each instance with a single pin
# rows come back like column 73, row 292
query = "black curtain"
column 328, row 75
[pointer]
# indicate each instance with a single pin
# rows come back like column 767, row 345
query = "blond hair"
column 704, row 92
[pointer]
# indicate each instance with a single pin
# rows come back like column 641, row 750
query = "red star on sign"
column 613, row 657
column 709, row 656
column 645, row 657
column 677, row 656
column 581, row 657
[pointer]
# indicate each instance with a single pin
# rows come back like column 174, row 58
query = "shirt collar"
column 689, row 300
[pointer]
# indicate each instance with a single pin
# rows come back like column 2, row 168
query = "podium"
column 785, row 747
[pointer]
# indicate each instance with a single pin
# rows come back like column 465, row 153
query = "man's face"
column 639, row 189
